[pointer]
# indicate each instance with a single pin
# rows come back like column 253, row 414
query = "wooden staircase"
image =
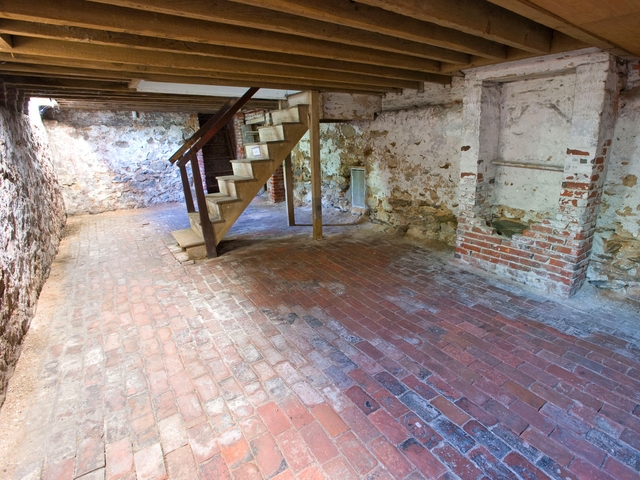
column 249, row 175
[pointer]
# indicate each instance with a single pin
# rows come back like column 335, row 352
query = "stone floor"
column 359, row 356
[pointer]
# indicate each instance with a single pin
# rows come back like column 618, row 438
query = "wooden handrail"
column 213, row 126
column 194, row 138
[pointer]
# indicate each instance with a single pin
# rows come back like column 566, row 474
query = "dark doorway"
column 217, row 154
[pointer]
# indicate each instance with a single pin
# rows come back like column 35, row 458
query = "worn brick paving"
column 361, row 356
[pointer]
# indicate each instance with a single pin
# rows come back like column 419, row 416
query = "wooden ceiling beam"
column 98, row 37
column 6, row 43
column 475, row 17
column 373, row 19
column 22, row 81
column 533, row 12
column 240, row 15
column 561, row 43
column 129, row 56
column 171, row 75
column 79, row 13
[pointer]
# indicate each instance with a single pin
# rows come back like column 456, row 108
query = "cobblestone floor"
column 360, row 356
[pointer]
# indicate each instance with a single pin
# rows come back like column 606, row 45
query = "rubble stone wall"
column 108, row 160
column 32, row 216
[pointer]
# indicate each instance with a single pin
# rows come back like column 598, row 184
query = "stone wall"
column 410, row 155
column 116, row 160
column 32, row 217
column 615, row 262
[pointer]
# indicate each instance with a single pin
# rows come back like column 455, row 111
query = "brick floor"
column 360, row 356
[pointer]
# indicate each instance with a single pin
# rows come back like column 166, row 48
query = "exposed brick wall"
column 237, row 138
column 552, row 254
column 275, row 186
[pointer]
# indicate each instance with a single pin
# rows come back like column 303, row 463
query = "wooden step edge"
column 251, row 160
column 196, row 217
column 213, row 198
column 235, row 178
column 265, row 143
column 187, row 238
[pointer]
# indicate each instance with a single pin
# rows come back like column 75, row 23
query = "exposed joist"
column 475, row 17
column 85, row 35
column 128, row 56
column 544, row 17
column 174, row 75
column 273, row 21
column 24, row 82
column 373, row 19
column 560, row 43
column 80, row 13
column 6, row 43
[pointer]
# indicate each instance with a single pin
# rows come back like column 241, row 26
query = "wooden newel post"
column 314, row 140
column 205, row 223
column 188, row 198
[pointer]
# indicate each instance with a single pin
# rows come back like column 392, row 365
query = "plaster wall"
column 32, row 216
column 109, row 160
column 535, row 119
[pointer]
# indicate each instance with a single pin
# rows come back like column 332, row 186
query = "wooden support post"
column 314, row 141
column 205, row 223
column 288, row 183
column 188, row 197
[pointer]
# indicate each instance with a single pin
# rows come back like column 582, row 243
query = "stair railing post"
column 288, row 182
column 316, row 173
column 188, row 197
column 205, row 223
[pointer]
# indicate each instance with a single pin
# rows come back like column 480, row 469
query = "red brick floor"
column 360, row 356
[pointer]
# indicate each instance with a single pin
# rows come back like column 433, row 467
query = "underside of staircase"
column 249, row 175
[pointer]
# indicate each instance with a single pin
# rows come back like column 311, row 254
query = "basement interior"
column 348, row 239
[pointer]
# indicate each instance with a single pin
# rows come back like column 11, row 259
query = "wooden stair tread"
column 235, row 178
column 251, row 160
column 195, row 216
column 220, row 198
column 187, row 238
column 263, row 143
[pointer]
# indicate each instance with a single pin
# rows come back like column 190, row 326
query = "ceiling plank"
column 373, row 19
column 475, row 17
column 241, row 15
column 84, row 35
column 534, row 12
column 80, row 13
column 561, row 43
column 62, row 49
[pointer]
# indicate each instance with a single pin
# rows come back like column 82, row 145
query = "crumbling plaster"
column 32, row 216
column 411, row 160
column 109, row 160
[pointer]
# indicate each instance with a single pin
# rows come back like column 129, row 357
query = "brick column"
column 554, row 254
column 275, row 186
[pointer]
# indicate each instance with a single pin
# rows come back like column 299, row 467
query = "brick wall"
column 552, row 254
column 275, row 186
column 238, row 139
